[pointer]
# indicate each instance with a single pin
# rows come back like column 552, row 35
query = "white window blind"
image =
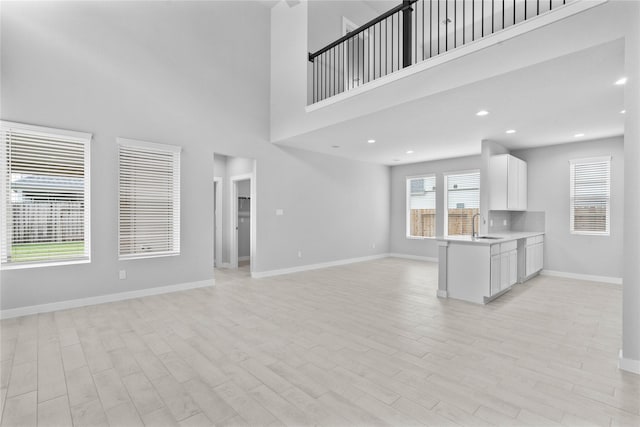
column 44, row 195
column 149, row 199
column 463, row 202
column 590, row 184
column 421, row 206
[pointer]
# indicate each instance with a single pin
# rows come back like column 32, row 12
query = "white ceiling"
column 546, row 104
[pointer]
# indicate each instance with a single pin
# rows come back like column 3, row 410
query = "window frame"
column 408, row 179
column 587, row 160
column 446, row 196
column 86, row 139
column 177, row 212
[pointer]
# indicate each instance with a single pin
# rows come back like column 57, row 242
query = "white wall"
column 631, row 276
column 548, row 191
column 325, row 19
column 399, row 243
column 168, row 72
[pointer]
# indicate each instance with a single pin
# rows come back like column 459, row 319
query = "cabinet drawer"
column 535, row 239
column 508, row 246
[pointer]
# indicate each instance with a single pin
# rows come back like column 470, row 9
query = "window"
column 590, row 183
column 45, row 195
column 421, row 206
column 149, row 199
column 463, row 202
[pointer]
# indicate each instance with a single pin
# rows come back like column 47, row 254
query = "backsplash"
column 499, row 221
column 516, row 221
column 528, row 221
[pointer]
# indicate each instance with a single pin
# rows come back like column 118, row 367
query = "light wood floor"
column 362, row 344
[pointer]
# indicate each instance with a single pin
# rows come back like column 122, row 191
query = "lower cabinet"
column 534, row 255
column 504, row 266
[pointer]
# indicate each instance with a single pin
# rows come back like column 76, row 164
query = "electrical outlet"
column 373, row 246
column 299, row 253
column 122, row 274
column 504, row 222
column 491, row 223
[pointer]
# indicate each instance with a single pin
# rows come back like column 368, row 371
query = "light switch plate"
column 279, row 212
column 122, row 274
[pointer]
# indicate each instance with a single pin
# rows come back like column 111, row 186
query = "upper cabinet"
column 508, row 183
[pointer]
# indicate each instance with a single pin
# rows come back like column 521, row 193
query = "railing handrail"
column 371, row 23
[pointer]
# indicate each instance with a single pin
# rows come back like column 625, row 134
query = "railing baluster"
column 473, row 20
column 455, row 26
column 438, row 27
column 446, row 25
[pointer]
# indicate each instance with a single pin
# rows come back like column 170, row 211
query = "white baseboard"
column 270, row 273
column 629, row 365
column 442, row 294
column 414, row 257
column 81, row 302
column 588, row 277
column 244, row 258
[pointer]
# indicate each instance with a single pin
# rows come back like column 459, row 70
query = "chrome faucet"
column 474, row 232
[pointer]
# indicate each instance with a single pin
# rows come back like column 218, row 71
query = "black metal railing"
column 413, row 31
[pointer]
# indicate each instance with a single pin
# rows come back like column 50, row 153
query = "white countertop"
column 502, row 237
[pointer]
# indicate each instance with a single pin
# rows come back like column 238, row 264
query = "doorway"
column 234, row 215
column 217, row 221
column 240, row 248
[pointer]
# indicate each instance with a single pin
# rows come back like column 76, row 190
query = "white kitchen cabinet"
column 534, row 255
column 507, row 183
column 504, row 266
column 513, row 267
column 495, row 274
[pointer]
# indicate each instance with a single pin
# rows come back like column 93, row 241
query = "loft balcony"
column 329, row 75
column 410, row 33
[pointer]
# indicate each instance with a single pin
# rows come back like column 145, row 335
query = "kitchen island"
column 483, row 268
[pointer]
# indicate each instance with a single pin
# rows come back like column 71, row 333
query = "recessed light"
column 482, row 113
column 623, row 112
column 578, row 135
column 371, row 141
column 621, row 81
column 410, row 152
column 335, row 146
column 511, row 131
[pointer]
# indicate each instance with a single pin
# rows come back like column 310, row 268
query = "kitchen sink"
column 488, row 238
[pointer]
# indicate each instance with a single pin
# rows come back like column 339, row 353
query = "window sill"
column 420, row 238
column 145, row 256
column 590, row 233
column 20, row 266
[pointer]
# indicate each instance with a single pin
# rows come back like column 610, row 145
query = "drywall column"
column 630, row 355
column 443, row 247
